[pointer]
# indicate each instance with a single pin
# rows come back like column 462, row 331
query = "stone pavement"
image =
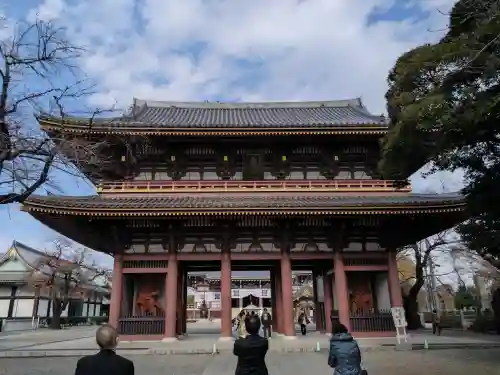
column 80, row 341
column 18, row 340
column 455, row 362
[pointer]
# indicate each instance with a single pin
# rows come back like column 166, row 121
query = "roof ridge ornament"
column 12, row 253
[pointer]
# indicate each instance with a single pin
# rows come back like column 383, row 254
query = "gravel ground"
column 432, row 362
column 144, row 365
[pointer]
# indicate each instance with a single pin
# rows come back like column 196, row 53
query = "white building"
column 248, row 292
column 21, row 303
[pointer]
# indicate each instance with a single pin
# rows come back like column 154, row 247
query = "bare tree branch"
column 66, row 272
column 34, row 61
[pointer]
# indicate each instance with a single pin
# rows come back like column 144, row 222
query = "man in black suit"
column 251, row 350
column 106, row 362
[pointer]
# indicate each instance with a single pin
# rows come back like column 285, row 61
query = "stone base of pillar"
column 169, row 339
column 223, row 338
column 289, row 337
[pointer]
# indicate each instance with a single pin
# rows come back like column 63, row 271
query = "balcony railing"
column 250, row 186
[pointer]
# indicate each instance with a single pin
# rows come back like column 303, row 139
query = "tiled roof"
column 38, row 260
column 346, row 113
column 231, row 202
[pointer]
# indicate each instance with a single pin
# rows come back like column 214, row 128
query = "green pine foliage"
column 444, row 105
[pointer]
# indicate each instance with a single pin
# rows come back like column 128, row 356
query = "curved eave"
column 419, row 209
column 81, row 127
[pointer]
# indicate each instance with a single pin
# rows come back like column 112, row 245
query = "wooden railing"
column 241, row 186
column 377, row 321
column 142, row 325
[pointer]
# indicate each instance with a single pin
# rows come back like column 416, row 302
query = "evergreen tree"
column 444, row 105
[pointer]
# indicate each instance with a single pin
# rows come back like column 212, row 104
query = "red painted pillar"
column 180, row 302
column 317, row 315
column 171, row 296
column 287, row 294
column 273, row 298
column 327, row 301
column 279, row 302
column 116, row 291
column 225, row 288
column 184, row 298
column 393, row 280
column 341, row 290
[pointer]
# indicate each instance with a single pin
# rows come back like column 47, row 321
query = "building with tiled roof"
column 227, row 187
column 24, row 296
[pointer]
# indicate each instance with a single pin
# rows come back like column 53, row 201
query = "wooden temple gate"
column 157, row 308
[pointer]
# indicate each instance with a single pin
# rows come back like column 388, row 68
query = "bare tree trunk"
column 55, row 322
column 411, row 300
column 411, row 306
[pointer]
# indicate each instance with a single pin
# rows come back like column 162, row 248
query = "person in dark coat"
column 436, row 323
column 266, row 320
column 106, row 362
column 344, row 356
column 251, row 350
column 303, row 322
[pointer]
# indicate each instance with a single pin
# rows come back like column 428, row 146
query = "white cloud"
column 309, row 49
column 291, row 49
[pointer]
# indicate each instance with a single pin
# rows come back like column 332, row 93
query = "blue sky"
column 231, row 50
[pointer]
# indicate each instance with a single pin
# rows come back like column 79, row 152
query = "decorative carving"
column 148, row 304
column 283, row 236
column 225, row 168
column 226, row 238
column 336, row 234
column 361, row 296
column 255, row 247
column 371, row 164
column 329, row 165
column 310, row 247
column 199, row 247
column 281, row 164
column 176, row 165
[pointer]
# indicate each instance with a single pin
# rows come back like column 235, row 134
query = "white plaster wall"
column 17, row 325
column 382, row 291
column 65, row 312
column 84, row 310
column 43, row 305
column 4, row 307
column 5, row 291
column 23, row 308
column 25, row 291
column 320, row 291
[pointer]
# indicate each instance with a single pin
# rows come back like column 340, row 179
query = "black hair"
column 339, row 328
column 252, row 324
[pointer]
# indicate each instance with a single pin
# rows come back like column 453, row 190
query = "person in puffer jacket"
column 344, row 356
